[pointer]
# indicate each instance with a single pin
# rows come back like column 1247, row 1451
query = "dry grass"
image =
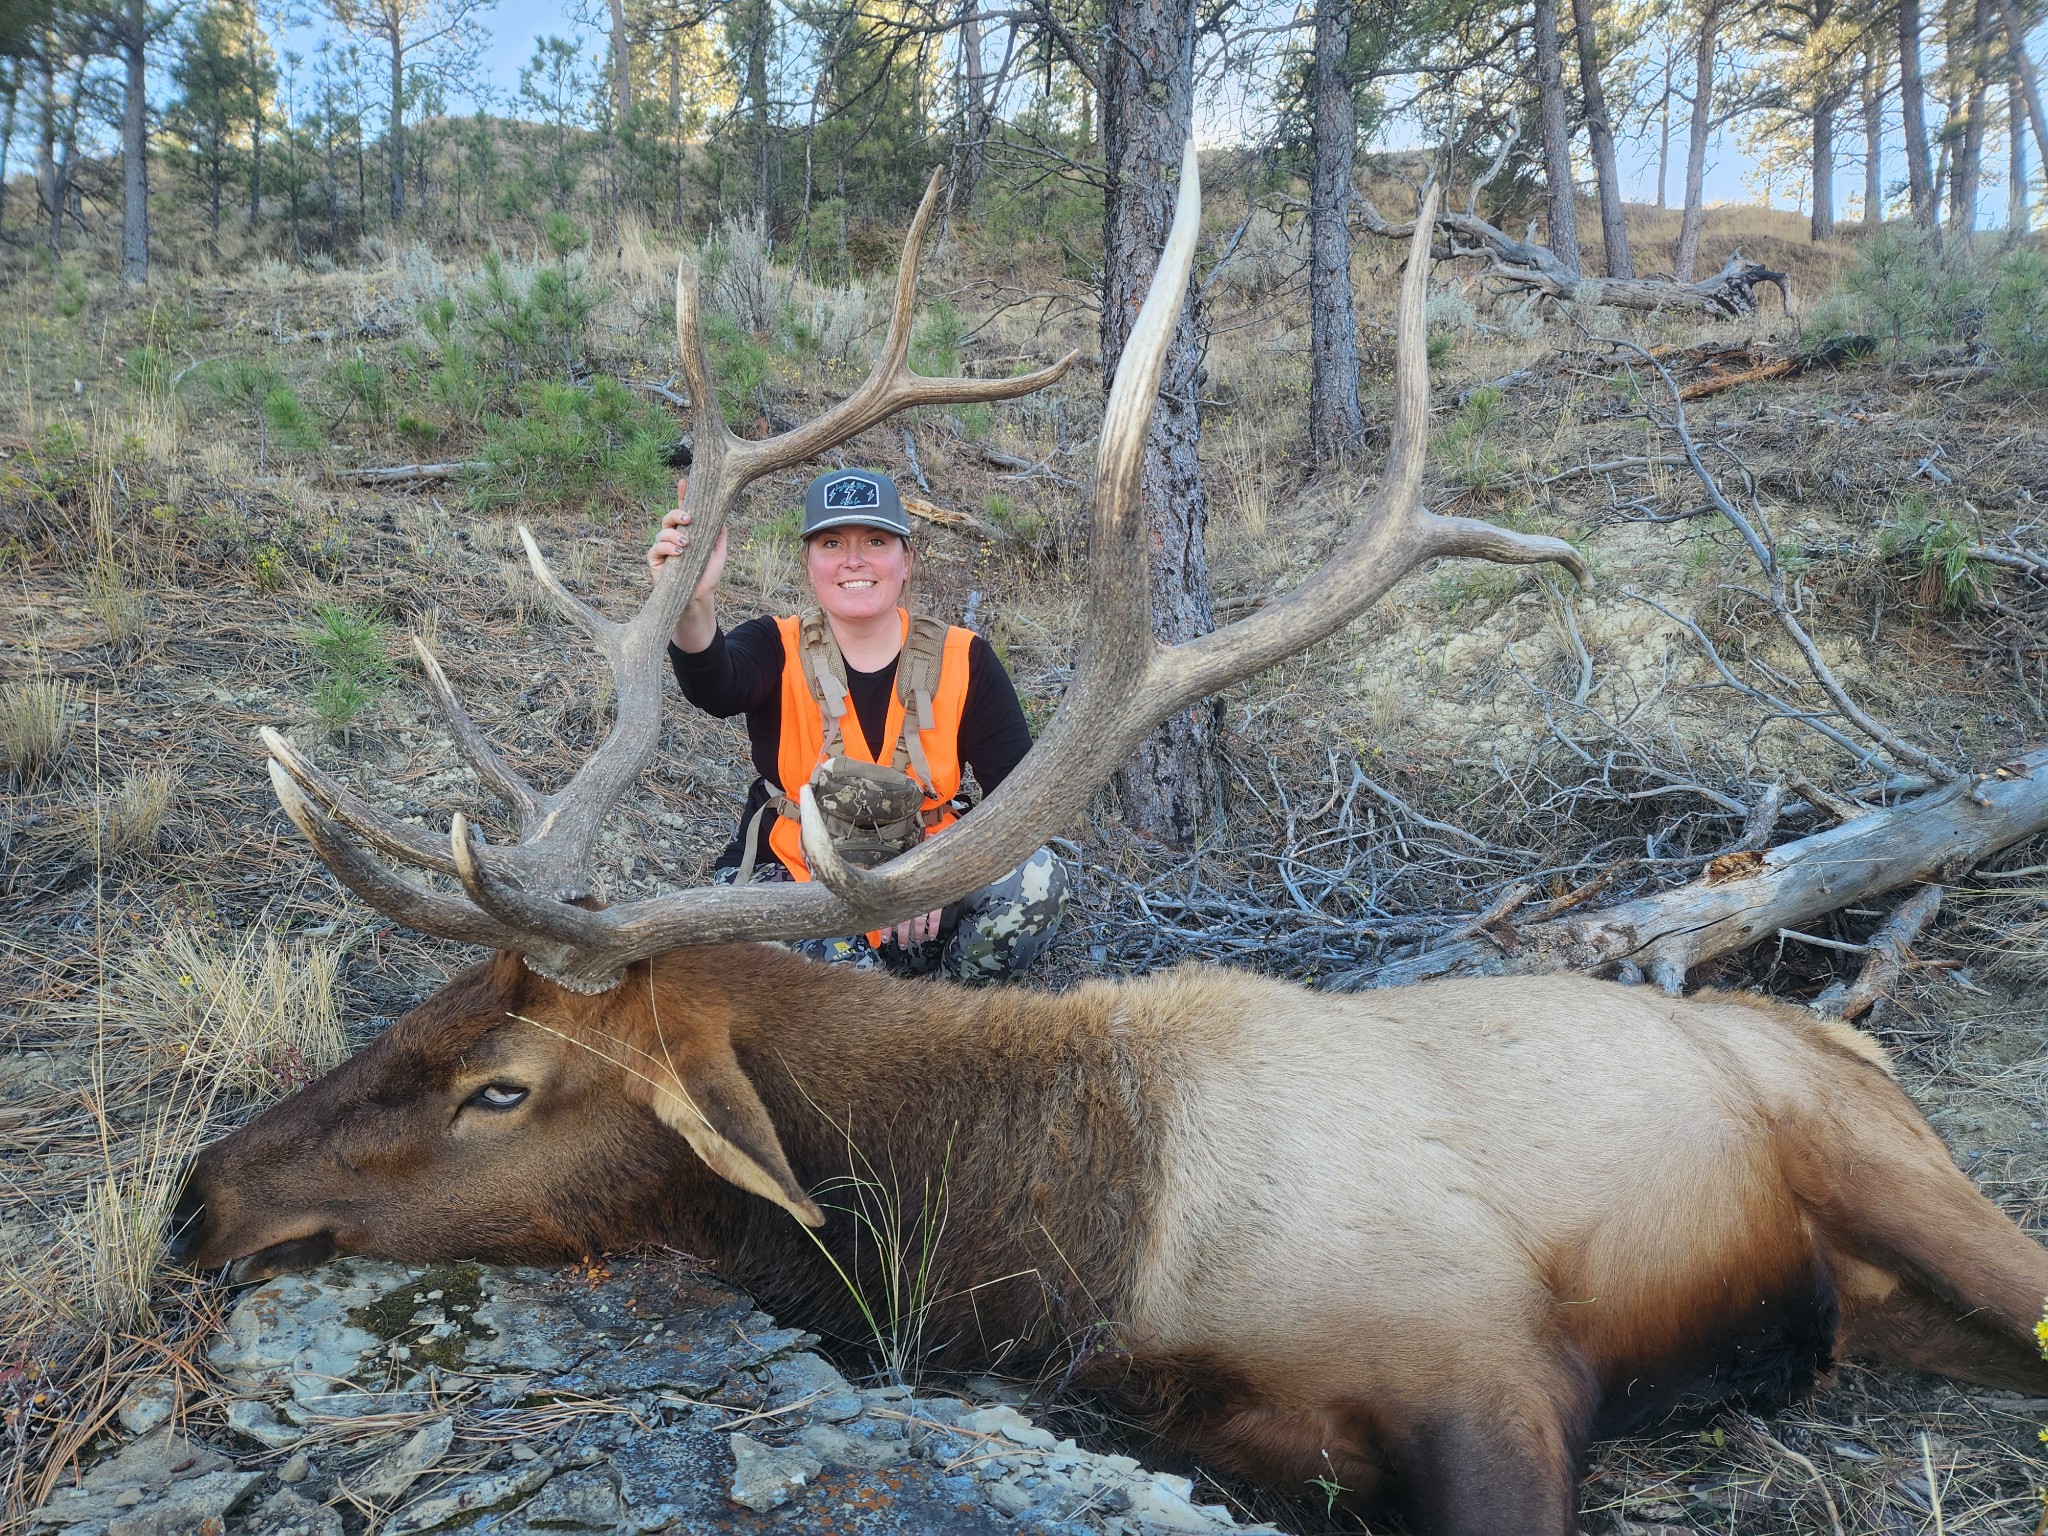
column 128, row 821
column 253, row 1017
column 35, row 723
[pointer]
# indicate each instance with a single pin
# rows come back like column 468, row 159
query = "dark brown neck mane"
column 981, row 1156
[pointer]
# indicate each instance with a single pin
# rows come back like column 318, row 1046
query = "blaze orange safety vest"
column 803, row 737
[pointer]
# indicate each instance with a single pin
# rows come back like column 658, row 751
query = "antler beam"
column 533, row 897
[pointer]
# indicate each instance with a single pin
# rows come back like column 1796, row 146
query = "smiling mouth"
column 855, row 586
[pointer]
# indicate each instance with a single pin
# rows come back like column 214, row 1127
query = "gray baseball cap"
column 848, row 498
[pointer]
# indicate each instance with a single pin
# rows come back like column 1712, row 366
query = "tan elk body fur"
column 1420, row 1244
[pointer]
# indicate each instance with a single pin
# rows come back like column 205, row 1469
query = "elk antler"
column 531, row 897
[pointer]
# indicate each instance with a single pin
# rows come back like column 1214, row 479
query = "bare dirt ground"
column 165, row 563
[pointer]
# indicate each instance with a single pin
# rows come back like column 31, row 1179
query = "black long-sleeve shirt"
column 741, row 673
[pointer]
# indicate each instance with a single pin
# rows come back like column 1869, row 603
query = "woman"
column 827, row 685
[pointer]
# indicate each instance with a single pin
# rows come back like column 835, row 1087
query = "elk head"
column 506, row 1118
column 533, row 899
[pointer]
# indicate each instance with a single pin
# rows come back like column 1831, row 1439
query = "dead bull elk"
column 1424, row 1243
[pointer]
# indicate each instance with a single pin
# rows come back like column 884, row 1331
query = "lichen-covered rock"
column 148, row 1405
column 640, row 1398
column 467, row 1497
column 583, row 1500
column 766, row 1477
column 386, row 1480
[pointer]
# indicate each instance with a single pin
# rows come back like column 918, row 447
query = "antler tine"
column 348, row 812
column 890, row 385
column 416, row 907
column 482, row 757
column 595, row 624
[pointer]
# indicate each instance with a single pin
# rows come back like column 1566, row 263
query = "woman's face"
column 857, row 573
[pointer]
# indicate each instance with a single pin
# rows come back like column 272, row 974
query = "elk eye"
column 498, row 1096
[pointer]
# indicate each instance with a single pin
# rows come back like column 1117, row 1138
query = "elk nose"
column 186, row 1221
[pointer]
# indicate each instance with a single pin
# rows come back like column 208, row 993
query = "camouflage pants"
column 989, row 935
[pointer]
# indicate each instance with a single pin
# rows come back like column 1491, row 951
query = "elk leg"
column 1931, row 1274
column 1921, row 1332
column 1505, row 1467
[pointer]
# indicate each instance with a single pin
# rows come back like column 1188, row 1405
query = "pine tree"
column 222, row 85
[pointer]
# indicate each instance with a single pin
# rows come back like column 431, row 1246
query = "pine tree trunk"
column 134, row 35
column 2030, row 84
column 1600, row 135
column 2016, row 219
column 1696, row 145
column 1557, row 144
column 757, row 98
column 397, row 136
column 675, row 121
column 1664, row 135
column 14, row 68
column 255, row 129
column 1334, row 422
column 1873, row 141
column 1171, row 789
column 974, row 115
column 1913, row 104
column 48, row 193
column 1824, row 170
column 1970, row 151
column 622, row 67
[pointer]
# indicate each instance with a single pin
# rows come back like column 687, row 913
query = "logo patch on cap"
column 852, row 493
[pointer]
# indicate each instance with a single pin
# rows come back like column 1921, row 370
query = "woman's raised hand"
column 674, row 538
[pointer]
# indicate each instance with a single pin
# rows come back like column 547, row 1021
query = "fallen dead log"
column 407, row 474
column 1717, row 381
column 945, row 517
column 1523, row 266
column 1748, row 896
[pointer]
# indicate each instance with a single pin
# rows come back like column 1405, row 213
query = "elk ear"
column 711, row 1105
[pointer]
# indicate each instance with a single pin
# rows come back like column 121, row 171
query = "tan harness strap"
column 825, row 670
column 917, row 680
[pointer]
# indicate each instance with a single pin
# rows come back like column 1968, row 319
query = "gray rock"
column 294, row 1333
column 1010, row 1499
column 1165, row 1502
column 154, row 1461
column 470, row 1496
column 685, row 1355
column 148, row 1405
column 767, row 1477
column 174, row 1507
column 286, row 1513
column 391, row 1474
column 586, row 1500
column 836, row 1448
column 261, row 1422
column 1011, row 1425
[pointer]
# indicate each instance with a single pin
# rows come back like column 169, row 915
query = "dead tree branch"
column 1938, row 836
column 1764, row 551
column 1522, row 266
column 1888, row 948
